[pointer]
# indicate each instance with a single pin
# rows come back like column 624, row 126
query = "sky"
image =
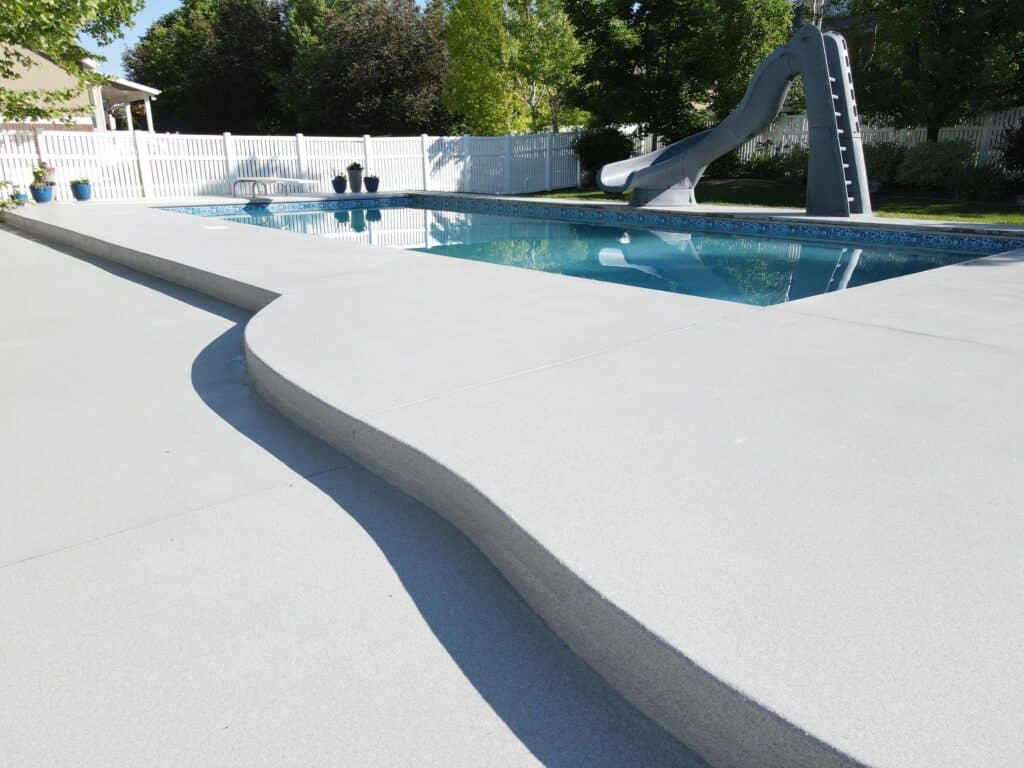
column 154, row 10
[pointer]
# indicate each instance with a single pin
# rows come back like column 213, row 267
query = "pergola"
column 122, row 94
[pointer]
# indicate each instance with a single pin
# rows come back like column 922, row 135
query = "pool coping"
column 752, row 734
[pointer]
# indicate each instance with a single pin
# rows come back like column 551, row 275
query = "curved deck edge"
column 720, row 723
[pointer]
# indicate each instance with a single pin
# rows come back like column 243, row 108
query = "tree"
column 479, row 86
column 544, row 57
column 672, row 66
column 218, row 63
column 934, row 62
column 53, row 29
column 367, row 66
column 513, row 64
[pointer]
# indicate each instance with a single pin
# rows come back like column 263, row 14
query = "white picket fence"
column 123, row 166
column 984, row 133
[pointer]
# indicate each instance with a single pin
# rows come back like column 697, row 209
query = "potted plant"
column 339, row 182
column 372, row 182
column 18, row 195
column 50, row 173
column 355, row 177
column 81, row 189
column 41, row 187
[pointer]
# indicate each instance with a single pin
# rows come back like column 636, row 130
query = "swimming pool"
column 660, row 252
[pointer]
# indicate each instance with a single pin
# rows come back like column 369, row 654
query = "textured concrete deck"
column 790, row 535
column 186, row 579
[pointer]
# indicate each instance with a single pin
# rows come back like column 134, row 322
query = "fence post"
column 141, row 140
column 366, row 154
column 425, row 162
column 230, row 164
column 508, row 164
column 37, row 138
column 579, row 168
column 300, row 153
column 547, row 162
column 467, row 163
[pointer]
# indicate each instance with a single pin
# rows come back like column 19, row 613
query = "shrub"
column 936, row 166
column 883, row 161
column 728, row 166
column 790, row 164
column 1013, row 153
column 984, row 182
column 599, row 146
column 793, row 164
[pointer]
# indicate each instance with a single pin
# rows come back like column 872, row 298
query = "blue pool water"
column 753, row 269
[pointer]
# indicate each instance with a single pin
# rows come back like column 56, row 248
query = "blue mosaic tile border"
column 685, row 222
column 229, row 209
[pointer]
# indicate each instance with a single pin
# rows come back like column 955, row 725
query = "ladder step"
column 835, row 96
column 848, row 182
column 845, row 166
column 850, row 199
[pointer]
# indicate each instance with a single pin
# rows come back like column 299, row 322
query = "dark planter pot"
column 42, row 194
column 81, row 192
column 19, row 198
column 371, row 183
column 355, row 180
column 339, row 183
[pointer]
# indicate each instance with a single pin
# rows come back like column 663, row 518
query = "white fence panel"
column 108, row 160
column 126, row 165
column 186, row 165
column 18, row 157
column 984, row 133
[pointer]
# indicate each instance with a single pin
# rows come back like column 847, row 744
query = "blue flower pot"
column 19, row 198
column 371, row 183
column 42, row 194
column 81, row 191
column 339, row 184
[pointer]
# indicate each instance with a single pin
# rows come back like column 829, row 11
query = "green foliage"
column 479, row 86
column 787, row 165
column 923, row 62
column 216, row 62
column 883, row 160
column 949, row 168
column 599, row 146
column 513, row 64
column 54, row 29
column 545, row 54
column 984, row 182
column 367, row 66
column 264, row 66
column 1013, row 151
column 674, row 66
column 728, row 166
column 935, row 166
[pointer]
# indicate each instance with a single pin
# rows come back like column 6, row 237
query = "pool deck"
column 789, row 535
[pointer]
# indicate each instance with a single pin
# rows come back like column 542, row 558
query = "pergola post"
column 149, row 114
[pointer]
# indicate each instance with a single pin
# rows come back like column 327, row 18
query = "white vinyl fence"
column 984, row 133
column 124, row 166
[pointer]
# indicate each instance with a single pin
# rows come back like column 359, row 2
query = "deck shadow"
column 562, row 711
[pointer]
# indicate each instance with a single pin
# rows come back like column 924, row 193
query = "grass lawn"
column 787, row 195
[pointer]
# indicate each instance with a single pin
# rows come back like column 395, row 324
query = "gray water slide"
column 836, row 177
